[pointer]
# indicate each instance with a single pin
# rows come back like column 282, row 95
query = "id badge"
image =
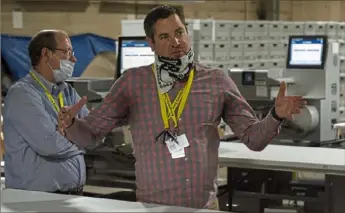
column 178, row 154
column 172, row 146
column 175, row 150
column 182, row 141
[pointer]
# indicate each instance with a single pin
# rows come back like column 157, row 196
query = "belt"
column 74, row 191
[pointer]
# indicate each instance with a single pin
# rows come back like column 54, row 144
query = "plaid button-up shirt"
column 188, row 181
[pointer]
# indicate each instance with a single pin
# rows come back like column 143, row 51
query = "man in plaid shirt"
column 176, row 142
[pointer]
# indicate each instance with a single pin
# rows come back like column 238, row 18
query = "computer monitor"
column 133, row 52
column 307, row 52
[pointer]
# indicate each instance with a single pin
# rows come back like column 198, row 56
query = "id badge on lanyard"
column 175, row 143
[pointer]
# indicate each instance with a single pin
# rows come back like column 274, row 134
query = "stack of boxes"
column 258, row 44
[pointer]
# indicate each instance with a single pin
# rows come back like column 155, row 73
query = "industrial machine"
column 94, row 88
column 312, row 71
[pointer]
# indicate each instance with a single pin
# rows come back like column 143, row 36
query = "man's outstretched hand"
column 287, row 106
column 66, row 114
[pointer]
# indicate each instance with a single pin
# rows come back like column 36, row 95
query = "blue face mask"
column 64, row 72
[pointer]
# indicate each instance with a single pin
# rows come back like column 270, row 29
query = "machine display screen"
column 248, row 78
column 307, row 52
column 133, row 53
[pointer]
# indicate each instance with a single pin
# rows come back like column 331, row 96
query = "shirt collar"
column 53, row 88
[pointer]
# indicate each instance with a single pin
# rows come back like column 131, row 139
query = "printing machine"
column 94, row 88
column 319, row 86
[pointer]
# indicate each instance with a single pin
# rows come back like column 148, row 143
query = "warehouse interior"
column 302, row 170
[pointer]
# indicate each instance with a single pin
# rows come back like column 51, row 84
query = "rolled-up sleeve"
column 26, row 112
column 241, row 118
column 111, row 113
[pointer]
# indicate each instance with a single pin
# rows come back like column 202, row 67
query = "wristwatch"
column 275, row 116
column 71, row 123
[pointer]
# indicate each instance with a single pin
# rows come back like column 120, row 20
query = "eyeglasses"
column 67, row 52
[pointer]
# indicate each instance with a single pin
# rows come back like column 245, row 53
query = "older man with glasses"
column 37, row 156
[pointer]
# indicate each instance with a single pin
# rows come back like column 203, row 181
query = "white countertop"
column 280, row 157
column 30, row 201
column 275, row 157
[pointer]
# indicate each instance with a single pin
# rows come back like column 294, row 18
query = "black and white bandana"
column 168, row 70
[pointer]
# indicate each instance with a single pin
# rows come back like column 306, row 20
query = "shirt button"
column 187, row 180
column 185, row 159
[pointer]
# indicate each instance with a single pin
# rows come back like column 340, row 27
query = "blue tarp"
column 14, row 51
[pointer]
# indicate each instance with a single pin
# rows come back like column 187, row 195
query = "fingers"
column 297, row 107
column 67, row 113
column 294, row 101
column 296, row 111
column 64, row 109
column 77, row 107
column 289, row 117
column 299, row 104
column 294, row 106
column 282, row 90
column 60, row 130
column 64, row 120
column 296, row 98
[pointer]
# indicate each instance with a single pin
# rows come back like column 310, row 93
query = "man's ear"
column 46, row 54
column 150, row 41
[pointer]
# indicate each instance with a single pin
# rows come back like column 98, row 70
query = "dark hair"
column 160, row 12
column 43, row 39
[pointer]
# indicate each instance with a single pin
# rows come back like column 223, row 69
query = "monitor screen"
column 307, row 52
column 133, row 52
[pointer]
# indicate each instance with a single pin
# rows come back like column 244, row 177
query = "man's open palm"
column 287, row 106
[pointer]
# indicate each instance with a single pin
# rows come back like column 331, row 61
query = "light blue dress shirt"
column 37, row 156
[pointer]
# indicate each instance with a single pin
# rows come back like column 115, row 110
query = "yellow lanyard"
column 168, row 109
column 49, row 96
